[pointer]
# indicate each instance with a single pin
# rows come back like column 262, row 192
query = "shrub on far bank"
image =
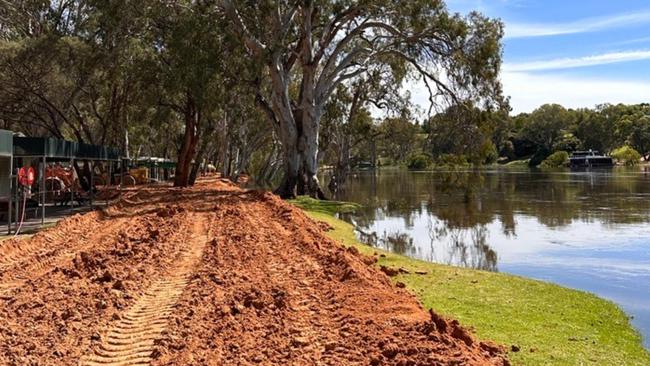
column 486, row 154
column 627, row 155
column 451, row 160
column 418, row 161
column 556, row 160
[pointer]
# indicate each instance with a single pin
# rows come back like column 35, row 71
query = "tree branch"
column 253, row 44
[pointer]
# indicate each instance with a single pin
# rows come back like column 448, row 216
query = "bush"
column 627, row 155
column 486, row 154
column 556, row 160
column 451, row 160
column 490, row 153
column 418, row 161
column 568, row 142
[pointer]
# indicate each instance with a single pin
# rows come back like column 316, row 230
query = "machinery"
column 61, row 183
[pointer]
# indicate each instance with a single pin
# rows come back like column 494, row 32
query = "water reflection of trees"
column 474, row 197
column 398, row 242
column 465, row 202
column 466, row 247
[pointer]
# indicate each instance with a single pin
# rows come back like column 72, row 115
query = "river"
column 588, row 230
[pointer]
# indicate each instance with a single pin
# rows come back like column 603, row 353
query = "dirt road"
column 212, row 275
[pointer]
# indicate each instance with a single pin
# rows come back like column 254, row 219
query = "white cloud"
column 566, row 63
column 632, row 41
column 529, row 91
column 525, row 30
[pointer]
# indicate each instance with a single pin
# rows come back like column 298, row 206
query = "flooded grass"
column 539, row 322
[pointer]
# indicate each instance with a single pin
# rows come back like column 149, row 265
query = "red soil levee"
column 212, row 275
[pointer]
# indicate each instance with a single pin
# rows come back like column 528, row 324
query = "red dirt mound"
column 212, row 275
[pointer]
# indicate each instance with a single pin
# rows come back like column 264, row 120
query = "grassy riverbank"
column 548, row 324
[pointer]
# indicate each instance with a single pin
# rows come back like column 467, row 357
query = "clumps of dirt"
column 169, row 211
column 60, row 304
column 22, row 259
column 107, row 194
column 389, row 271
column 324, row 226
column 12, row 250
column 273, row 289
column 392, row 272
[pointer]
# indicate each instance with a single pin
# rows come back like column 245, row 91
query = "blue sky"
column 577, row 53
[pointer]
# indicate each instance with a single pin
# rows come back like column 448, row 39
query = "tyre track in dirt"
column 274, row 290
column 54, row 319
column 131, row 340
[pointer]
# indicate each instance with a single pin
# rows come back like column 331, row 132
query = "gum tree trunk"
column 188, row 146
column 310, row 155
column 310, row 112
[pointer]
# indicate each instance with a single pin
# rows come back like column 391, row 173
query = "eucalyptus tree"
column 186, row 68
column 544, row 128
column 347, row 121
column 305, row 49
column 634, row 130
column 69, row 68
column 21, row 19
column 464, row 130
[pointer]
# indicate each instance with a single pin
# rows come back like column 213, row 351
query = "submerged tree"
column 305, row 49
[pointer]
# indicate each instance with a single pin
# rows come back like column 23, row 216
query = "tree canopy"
column 278, row 88
column 198, row 80
column 304, row 50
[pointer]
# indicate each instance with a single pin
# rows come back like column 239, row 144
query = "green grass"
column 551, row 325
column 325, row 207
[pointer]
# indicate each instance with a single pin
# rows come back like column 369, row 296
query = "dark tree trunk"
column 188, row 146
column 342, row 167
column 194, row 173
column 203, row 148
column 289, row 187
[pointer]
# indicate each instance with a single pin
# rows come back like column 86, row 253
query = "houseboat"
column 589, row 159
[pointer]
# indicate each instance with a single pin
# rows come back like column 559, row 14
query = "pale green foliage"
column 486, row 154
column 451, row 160
column 567, row 142
column 595, row 130
column 552, row 128
column 635, row 129
column 418, row 161
column 627, row 155
column 398, row 136
column 468, row 131
column 556, row 160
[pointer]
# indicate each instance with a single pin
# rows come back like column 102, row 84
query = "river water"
column 588, row 230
